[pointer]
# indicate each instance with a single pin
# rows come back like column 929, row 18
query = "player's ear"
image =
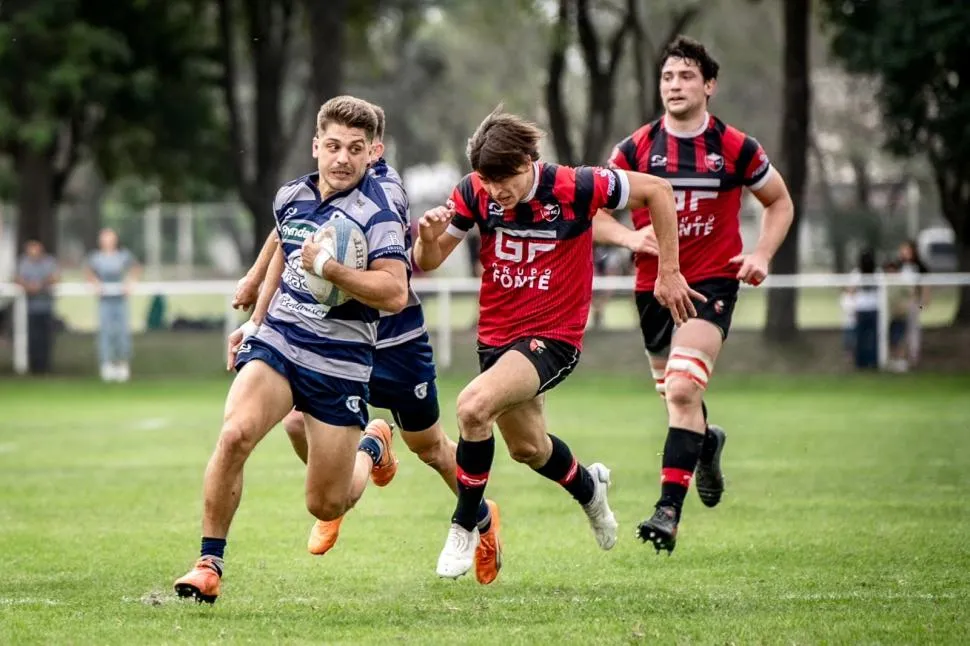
column 376, row 151
column 316, row 147
column 710, row 88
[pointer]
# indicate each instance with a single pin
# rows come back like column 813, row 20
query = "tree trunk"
column 36, row 202
column 327, row 54
column 555, row 103
column 781, row 324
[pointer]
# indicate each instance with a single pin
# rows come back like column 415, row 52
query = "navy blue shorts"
column 403, row 381
column 332, row 400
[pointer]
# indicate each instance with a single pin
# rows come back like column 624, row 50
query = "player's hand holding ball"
column 754, row 267
column 316, row 253
column 435, row 221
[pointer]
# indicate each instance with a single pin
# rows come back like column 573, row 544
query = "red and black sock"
column 681, row 451
column 474, row 462
column 563, row 468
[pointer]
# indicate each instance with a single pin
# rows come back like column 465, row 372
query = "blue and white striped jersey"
column 337, row 341
column 408, row 324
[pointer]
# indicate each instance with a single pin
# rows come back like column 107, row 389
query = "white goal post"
column 443, row 289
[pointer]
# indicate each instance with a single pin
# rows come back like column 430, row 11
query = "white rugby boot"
column 601, row 518
column 458, row 555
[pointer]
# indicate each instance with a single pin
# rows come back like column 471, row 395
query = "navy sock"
column 563, row 468
column 372, row 447
column 484, row 519
column 216, row 548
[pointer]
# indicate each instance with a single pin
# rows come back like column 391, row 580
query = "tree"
column 920, row 53
column 781, row 324
column 126, row 84
column 601, row 58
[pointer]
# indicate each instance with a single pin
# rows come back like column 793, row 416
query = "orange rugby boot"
column 201, row 583
column 488, row 554
column 385, row 470
column 323, row 536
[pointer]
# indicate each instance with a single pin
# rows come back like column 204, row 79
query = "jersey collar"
column 689, row 135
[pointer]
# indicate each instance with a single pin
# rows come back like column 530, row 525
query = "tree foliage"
column 919, row 51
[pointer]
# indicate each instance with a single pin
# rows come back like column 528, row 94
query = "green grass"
column 817, row 308
column 845, row 522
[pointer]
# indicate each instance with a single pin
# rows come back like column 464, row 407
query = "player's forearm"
column 428, row 255
column 663, row 216
column 776, row 222
column 271, row 282
column 257, row 272
column 374, row 287
column 608, row 230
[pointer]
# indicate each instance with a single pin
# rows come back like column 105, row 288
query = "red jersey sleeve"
column 590, row 189
column 753, row 162
column 624, row 155
column 465, row 200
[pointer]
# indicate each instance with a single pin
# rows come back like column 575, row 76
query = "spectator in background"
column 113, row 270
column 911, row 265
column 866, row 301
column 900, row 297
column 37, row 273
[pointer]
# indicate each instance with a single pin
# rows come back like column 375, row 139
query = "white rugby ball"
column 346, row 242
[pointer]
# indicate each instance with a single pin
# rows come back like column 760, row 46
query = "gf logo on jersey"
column 353, row 403
column 291, row 211
column 421, row 390
column 536, row 346
column 495, row 210
column 550, row 212
column 714, row 162
column 658, row 160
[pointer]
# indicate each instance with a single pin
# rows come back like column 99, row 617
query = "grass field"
column 845, row 522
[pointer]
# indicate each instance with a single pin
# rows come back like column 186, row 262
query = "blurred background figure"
column 865, row 299
column 911, row 265
column 113, row 270
column 37, row 273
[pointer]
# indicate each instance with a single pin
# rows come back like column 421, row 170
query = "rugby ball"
column 346, row 241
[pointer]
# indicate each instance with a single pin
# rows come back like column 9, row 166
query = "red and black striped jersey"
column 707, row 170
column 538, row 256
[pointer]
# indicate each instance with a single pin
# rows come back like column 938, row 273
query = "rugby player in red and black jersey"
column 708, row 163
column 535, row 224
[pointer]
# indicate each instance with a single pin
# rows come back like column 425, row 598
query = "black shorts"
column 657, row 324
column 553, row 360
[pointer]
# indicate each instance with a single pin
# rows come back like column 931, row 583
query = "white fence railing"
column 443, row 289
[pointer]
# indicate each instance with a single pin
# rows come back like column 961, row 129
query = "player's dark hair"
column 502, row 145
column 350, row 112
column 691, row 50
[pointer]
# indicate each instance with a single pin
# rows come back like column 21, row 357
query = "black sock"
column 681, row 451
column 704, row 408
column 474, row 462
column 216, row 548
column 372, row 447
column 563, row 468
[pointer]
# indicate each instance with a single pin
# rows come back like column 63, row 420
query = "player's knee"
column 524, row 452
column 294, row 425
column 326, row 508
column 437, row 451
column 682, row 393
column 686, row 376
column 474, row 413
column 237, row 439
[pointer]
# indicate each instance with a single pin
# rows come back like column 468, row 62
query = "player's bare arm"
column 671, row 290
column 247, row 289
column 608, row 230
column 270, row 283
column 777, row 219
column 383, row 285
column 434, row 243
